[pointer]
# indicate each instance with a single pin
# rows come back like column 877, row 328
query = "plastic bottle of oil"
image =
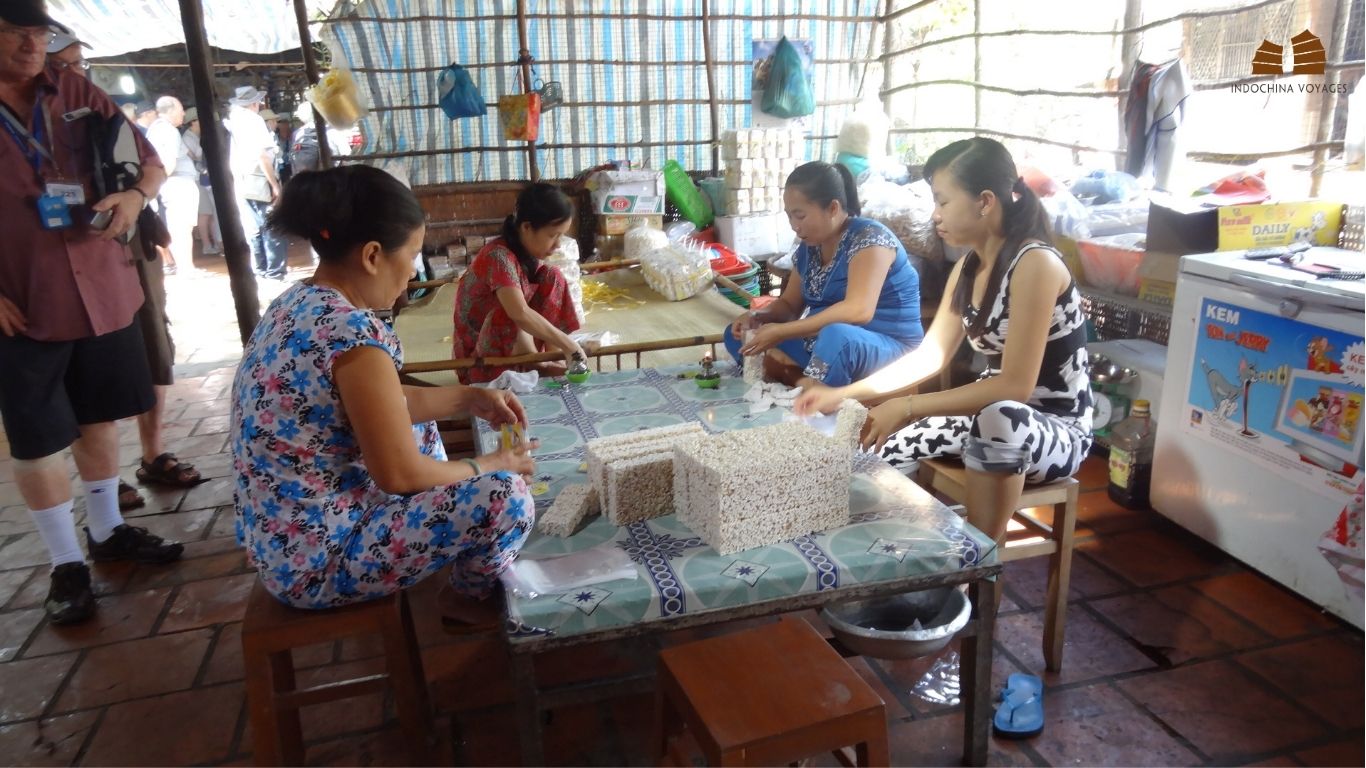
column 1131, row 457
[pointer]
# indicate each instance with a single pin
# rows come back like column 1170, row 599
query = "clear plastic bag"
column 677, row 271
column 336, row 97
column 529, row 578
column 566, row 259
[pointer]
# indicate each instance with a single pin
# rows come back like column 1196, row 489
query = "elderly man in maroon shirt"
column 71, row 355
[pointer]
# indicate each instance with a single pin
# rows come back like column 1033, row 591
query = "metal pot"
column 901, row 626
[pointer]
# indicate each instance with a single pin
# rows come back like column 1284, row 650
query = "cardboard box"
column 1157, row 277
column 1178, row 226
column 1271, row 225
column 627, row 192
column 618, row 224
column 748, row 235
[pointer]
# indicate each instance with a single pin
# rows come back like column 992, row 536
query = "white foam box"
column 627, row 192
column 753, row 235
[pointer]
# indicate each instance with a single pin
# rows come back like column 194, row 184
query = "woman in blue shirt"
column 852, row 304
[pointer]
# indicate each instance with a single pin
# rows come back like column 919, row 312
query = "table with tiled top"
column 899, row 539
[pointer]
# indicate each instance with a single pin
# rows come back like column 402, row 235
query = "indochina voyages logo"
column 1308, row 58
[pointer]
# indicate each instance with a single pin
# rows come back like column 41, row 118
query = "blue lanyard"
column 30, row 142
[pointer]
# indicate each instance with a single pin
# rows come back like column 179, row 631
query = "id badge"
column 72, row 194
column 53, row 212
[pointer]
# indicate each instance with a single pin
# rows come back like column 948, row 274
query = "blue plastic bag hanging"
column 787, row 94
column 458, row 95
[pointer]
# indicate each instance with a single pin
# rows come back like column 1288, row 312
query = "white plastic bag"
column 528, row 577
column 677, row 271
column 642, row 240
column 566, row 259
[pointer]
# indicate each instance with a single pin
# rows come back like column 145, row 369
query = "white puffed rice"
column 573, row 504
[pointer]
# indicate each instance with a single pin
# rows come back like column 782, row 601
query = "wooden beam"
column 311, row 67
column 711, row 88
column 524, row 58
column 236, row 252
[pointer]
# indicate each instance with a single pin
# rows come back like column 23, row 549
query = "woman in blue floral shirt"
column 343, row 488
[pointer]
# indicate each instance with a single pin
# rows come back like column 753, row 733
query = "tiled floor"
column 1176, row 655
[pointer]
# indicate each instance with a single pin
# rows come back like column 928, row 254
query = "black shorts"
column 50, row 388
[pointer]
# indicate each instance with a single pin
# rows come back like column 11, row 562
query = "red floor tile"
column 385, row 747
column 1280, row 761
column 183, row 728
column 1027, row 580
column 134, row 669
column 1218, row 709
column 27, row 686
column 1090, row 649
column 1324, row 675
column 230, row 563
column 212, row 425
column 15, row 519
column 15, row 629
column 12, row 581
column 158, row 500
column 225, row 523
column 1154, row 557
column 180, row 526
column 24, row 551
column 52, row 742
column 211, row 546
column 1270, row 607
column 117, row 618
column 937, row 741
column 1179, row 623
column 1097, row 512
column 216, row 601
column 1096, row 725
column 1345, row 752
column 216, row 493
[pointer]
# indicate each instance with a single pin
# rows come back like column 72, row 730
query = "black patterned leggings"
column 1007, row 437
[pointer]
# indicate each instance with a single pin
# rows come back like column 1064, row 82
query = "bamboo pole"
column 311, row 67
column 886, row 60
column 1328, row 106
column 1128, row 57
column 235, row 250
column 524, row 58
column 711, row 88
column 976, row 62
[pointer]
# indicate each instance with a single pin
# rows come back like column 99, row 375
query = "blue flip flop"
column 1020, row 714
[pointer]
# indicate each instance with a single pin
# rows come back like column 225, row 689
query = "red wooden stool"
column 272, row 629
column 769, row 696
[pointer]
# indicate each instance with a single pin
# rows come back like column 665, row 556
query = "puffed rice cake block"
column 849, row 420
column 643, row 442
column 573, row 504
column 754, row 487
column 639, row 488
column 752, row 369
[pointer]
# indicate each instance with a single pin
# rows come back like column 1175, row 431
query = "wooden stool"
column 269, row 632
column 769, row 696
column 950, row 478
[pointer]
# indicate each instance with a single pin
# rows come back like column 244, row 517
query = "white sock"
column 57, row 526
column 102, row 514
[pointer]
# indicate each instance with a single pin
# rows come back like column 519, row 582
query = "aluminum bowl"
column 881, row 627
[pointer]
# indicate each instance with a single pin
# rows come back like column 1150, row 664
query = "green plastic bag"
column 685, row 195
column 787, row 94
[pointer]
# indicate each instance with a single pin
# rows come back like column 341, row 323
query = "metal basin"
column 886, row 627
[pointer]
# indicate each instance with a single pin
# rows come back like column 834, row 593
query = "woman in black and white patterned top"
column 1028, row 417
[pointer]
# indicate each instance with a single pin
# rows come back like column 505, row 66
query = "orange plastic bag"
column 521, row 116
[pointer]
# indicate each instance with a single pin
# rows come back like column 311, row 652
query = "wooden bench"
column 950, row 479
column 271, row 630
column 771, row 695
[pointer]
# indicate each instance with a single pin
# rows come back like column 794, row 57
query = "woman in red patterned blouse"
column 510, row 302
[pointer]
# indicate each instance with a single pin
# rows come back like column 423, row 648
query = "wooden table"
column 900, row 539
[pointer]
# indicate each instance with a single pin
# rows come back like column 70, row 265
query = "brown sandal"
column 166, row 469
column 129, row 498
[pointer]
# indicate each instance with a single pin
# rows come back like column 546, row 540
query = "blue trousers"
column 842, row 354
